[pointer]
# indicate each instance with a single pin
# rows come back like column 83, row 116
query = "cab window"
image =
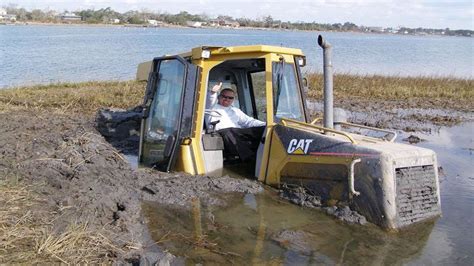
column 257, row 80
column 167, row 101
column 286, row 94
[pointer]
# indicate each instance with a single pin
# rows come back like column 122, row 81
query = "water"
column 44, row 54
column 256, row 229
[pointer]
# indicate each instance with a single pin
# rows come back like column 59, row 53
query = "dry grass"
column 396, row 88
column 84, row 97
column 87, row 97
column 27, row 232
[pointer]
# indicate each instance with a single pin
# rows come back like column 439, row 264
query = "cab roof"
column 196, row 52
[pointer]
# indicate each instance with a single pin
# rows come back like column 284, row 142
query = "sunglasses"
column 227, row 97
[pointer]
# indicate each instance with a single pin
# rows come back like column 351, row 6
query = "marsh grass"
column 85, row 97
column 424, row 90
column 27, row 233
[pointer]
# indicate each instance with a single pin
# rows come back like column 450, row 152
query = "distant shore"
column 166, row 25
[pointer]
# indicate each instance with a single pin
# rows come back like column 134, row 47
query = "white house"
column 4, row 17
column 70, row 17
column 194, row 24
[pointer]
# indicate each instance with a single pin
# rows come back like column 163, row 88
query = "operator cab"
column 247, row 78
column 176, row 133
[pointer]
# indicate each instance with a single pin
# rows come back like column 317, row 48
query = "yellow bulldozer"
column 392, row 184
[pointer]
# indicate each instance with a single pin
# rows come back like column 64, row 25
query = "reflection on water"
column 263, row 229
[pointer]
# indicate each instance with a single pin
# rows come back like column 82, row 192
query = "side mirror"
column 305, row 85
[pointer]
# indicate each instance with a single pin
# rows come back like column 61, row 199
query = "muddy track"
column 87, row 180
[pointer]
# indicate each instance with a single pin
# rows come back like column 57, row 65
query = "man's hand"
column 216, row 88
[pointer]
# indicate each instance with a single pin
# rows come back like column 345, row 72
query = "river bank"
column 68, row 195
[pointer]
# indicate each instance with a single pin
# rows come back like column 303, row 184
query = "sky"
column 453, row 14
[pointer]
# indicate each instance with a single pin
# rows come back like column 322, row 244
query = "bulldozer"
column 392, row 184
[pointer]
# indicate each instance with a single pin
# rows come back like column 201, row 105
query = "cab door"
column 168, row 113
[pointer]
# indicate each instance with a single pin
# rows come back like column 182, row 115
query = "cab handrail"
column 284, row 121
column 393, row 133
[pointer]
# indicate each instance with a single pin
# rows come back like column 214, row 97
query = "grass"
column 375, row 87
column 27, row 235
column 85, row 97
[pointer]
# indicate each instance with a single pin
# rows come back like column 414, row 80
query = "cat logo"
column 299, row 146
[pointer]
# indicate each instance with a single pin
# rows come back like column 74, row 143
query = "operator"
column 240, row 132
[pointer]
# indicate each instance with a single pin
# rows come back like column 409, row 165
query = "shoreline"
column 356, row 76
column 35, row 23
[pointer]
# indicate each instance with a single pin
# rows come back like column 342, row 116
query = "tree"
column 38, row 15
column 268, row 21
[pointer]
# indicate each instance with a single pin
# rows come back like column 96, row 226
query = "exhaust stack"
column 328, row 83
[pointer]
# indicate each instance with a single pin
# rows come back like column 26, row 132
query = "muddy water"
column 452, row 239
column 263, row 229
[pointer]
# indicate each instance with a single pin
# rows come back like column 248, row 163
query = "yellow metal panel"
column 197, row 152
column 269, row 88
column 144, row 70
column 275, row 163
column 184, row 161
column 280, row 158
column 256, row 49
column 196, row 53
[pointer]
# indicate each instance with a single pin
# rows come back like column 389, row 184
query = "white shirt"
column 230, row 116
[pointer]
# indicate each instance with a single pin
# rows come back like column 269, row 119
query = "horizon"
column 435, row 14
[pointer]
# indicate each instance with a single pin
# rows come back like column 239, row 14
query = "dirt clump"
column 120, row 127
column 87, row 182
column 303, row 197
column 412, row 139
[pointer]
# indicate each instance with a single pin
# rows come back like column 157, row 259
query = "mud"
column 87, row 180
column 300, row 196
column 406, row 116
column 120, row 127
column 412, row 139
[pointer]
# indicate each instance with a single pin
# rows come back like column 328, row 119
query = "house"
column 70, row 17
column 4, row 17
column 194, row 24
column 375, row 29
column 154, row 22
column 223, row 23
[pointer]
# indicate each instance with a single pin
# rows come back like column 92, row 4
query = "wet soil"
column 411, row 115
column 87, row 180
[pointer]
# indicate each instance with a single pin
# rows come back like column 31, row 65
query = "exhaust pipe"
column 328, row 84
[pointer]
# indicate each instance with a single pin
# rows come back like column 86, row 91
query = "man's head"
column 226, row 97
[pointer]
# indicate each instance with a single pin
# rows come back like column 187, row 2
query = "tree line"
column 108, row 15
